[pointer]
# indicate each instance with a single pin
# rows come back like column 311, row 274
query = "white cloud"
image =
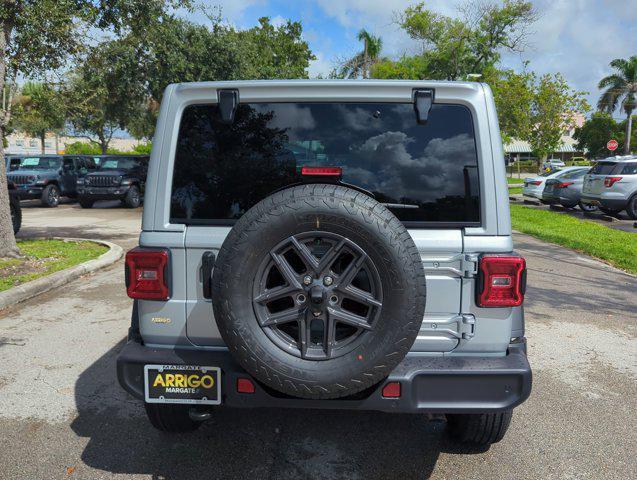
column 320, row 66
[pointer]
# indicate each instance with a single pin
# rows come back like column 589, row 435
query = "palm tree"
column 621, row 86
column 361, row 63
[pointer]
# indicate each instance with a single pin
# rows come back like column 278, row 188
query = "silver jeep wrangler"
column 327, row 244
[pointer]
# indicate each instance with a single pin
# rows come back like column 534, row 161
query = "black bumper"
column 30, row 193
column 428, row 384
column 104, row 193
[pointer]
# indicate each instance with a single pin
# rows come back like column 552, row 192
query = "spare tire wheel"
column 319, row 291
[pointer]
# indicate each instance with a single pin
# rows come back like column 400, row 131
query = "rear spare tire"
column 319, row 291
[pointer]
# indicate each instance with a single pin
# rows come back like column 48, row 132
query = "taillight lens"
column 322, row 171
column 502, row 281
column 610, row 181
column 536, row 182
column 147, row 274
column 563, row 184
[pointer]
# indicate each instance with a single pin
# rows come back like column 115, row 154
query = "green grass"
column 43, row 257
column 515, row 181
column 616, row 247
column 515, row 190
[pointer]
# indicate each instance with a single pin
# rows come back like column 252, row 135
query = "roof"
column 618, row 158
column 568, row 145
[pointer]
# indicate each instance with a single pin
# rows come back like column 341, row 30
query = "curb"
column 28, row 290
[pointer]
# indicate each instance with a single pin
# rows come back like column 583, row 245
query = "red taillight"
column 391, row 390
column 147, row 276
column 502, row 281
column 610, row 181
column 563, row 184
column 536, row 182
column 322, row 171
column 245, row 385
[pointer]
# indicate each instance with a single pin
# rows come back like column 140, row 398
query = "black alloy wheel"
column 316, row 295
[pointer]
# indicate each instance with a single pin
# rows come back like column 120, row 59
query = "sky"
column 575, row 37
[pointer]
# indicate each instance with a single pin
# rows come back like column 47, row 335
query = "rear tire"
column 631, row 208
column 132, row 199
column 85, row 203
column 584, row 207
column 479, row 428
column 171, row 418
column 16, row 214
column 609, row 211
column 50, row 196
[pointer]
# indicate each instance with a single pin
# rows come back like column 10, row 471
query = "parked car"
column 12, row 162
column 612, row 185
column 552, row 164
column 267, row 278
column 119, row 177
column 534, row 186
column 49, row 177
column 15, row 208
column 566, row 189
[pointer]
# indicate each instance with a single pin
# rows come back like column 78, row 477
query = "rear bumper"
column 611, row 203
column 428, row 384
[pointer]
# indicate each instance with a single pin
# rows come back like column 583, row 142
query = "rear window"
column 422, row 172
column 629, row 168
column 603, row 168
column 574, row 173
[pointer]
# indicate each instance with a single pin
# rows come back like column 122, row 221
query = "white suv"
column 612, row 185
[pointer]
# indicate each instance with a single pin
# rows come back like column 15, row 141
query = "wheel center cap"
column 317, row 298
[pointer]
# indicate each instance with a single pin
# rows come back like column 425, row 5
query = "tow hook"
column 199, row 415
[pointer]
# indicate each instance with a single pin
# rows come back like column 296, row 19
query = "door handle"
column 207, row 264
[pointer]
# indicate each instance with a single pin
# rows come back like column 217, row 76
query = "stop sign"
column 612, row 145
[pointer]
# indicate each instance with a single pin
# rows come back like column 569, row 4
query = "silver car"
column 566, row 190
column 612, row 185
column 534, row 186
column 327, row 244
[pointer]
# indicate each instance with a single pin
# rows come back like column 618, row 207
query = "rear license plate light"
column 502, row 281
column 147, row 274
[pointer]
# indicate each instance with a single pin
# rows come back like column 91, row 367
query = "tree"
column 552, row 110
column 621, row 86
column 596, row 132
column 105, row 91
column 39, row 109
column 513, row 94
column 452, row 48
column 176, row 50
column 36, row 37
column 361, row 64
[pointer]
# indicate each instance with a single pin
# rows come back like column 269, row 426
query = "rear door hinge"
column 469, row 265
column 466, row 327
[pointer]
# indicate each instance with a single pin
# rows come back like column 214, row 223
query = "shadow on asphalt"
column 251, row 444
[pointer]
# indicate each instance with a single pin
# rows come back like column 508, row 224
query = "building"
column 19, row 143
column 521, row 150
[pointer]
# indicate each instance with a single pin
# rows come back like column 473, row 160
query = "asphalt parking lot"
column 62, row 414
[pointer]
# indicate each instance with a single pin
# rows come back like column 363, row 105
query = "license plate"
column 182, row 384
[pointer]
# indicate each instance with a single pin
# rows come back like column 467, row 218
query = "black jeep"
column 48, row 177
column 119, row 177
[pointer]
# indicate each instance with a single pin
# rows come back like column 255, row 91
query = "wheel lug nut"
column 307, row 280
column 327, row 281
column 301, row 298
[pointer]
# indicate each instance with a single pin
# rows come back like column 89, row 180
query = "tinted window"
column 603, row 168
column 629, row 168
column 27, row 163
column 422, row 172
column 120, row 163
column 575, row 173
